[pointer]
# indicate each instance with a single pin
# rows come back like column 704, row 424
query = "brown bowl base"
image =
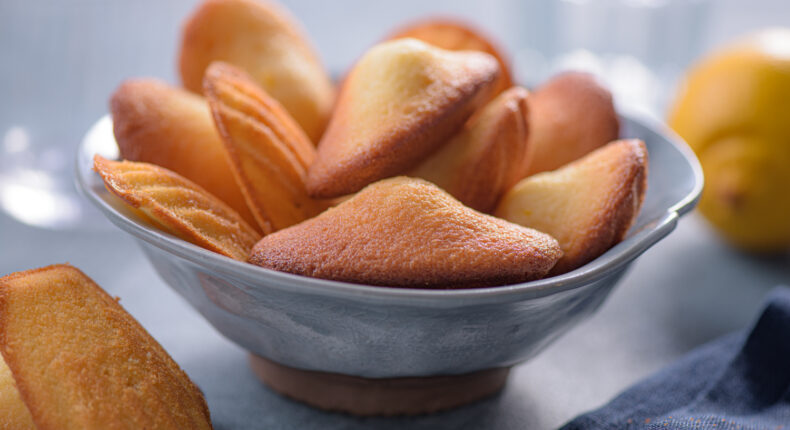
column 383, row 397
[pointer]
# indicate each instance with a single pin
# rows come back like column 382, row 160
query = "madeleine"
column 588, row 205
column 263, row 39
column 178, row 205
column 457, row 36
column 570, row 115
column 80, row 361
column 479, row 164
column 156, row 123
column 399, row 103
column 407, row 232
column 268, row 152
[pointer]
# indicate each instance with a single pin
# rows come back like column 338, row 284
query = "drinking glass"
column 59, row 62
column 638, row 48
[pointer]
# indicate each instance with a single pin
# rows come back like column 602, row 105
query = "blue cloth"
column 740, row 381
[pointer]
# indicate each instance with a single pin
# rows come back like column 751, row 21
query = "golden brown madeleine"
column 407, row 232
column 14, row 414
column 81, row 361
column 269, row 158
column 486, row 158
column 264, row 40
column 179, row 206
column 399, row 103
column 156, row 123
column 241, row 93
column 588, row 205
column 457, row 36
column 570, row 115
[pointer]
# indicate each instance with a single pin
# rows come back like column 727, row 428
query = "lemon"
column 734, row 111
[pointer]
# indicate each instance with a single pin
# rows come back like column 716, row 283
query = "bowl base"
column 374, row 396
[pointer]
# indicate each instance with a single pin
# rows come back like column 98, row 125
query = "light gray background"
column 688, row 289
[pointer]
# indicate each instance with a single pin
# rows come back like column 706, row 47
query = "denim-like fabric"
column 736, row 382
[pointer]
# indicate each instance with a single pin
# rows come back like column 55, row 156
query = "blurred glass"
column 59, row 62
column 638, row 47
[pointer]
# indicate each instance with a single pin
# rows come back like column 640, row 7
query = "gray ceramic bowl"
column 377, row 332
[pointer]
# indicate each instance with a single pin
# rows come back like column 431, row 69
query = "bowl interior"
column 674, row 185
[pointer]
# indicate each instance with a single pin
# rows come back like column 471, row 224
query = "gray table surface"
column 688, row 289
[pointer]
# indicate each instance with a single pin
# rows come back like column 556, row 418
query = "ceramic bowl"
column 376, row 332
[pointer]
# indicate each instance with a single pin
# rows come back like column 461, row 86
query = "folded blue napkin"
column 740, row 381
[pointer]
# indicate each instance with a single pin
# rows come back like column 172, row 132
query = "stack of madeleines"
column 425, row 167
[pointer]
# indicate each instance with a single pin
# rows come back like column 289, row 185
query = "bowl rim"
column 613, row 260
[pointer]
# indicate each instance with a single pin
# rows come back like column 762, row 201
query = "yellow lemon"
column 734, row 111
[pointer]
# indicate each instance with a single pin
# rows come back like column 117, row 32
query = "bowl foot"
column 385, row 396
